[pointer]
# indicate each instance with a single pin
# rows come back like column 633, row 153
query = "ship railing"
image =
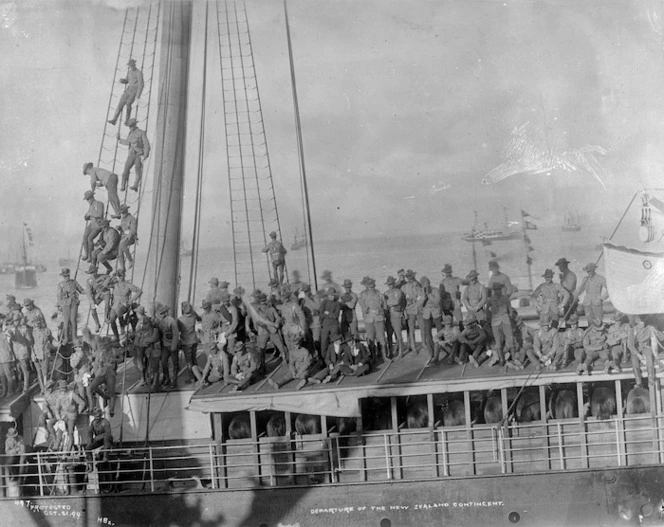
column 141, row 469
column 316, row 459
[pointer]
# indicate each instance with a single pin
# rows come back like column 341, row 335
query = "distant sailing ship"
column 25, row 273
column 484, row 234
column 571, row 222
column 299, row 242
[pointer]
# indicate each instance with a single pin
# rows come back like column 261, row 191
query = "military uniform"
column 452, row 285
column 22, row 339
column 188, row 337
column 595, row 288
column 244, row 368
column 122, row 300
column 294, row 323
column 595, row 347
column 100, row 177
column 170, row 338
column 472, row 340
column 277, row 253
column 93, row 227
column 431, row 316
column 107, row 248
column 447, row 341
column 329, row 314
column 147, row 343
column 372, row 304
column 474, row 298
column 134, row 88
column 548, row 344
column 551, row 299
column 42, row 349
column 139, row 149
column 395, row 301
column 348, row 302
column 6, row 363
column 415, row 297
column 67, row 298
column 98, row 291
column 129, row 230
column 501, row 324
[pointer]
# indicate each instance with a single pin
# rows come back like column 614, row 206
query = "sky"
column 395, row 98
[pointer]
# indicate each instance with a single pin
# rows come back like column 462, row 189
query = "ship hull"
column 587, row 497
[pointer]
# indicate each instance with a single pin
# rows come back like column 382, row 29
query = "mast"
column 300, row 149
column 170, row 140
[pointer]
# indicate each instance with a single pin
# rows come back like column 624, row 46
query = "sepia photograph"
column 289, row 263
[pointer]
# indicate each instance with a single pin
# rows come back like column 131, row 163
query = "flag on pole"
column 524, row 213
column 530, row 226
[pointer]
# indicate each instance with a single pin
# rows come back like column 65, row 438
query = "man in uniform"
column 23, row 342
column 277, row 253
column 229, row 320
column 330, row 310
column 105, row 355
column 595, row 347
column 594, row 285
column 98, row 290
column 214, row 294
column 170, row 338
column 499, row 310
column 348, row 301
column 329, row 282
column 548, row 345
column 568, row 281
column 133, row 90
column 452, row 285
column 147, row 345
column 6, row 360
column 42, row 350
column 572, row 340
column 124, row 295
column 32, row 313
column 99, row 434
column 294, row 325
column 107, row 246
column 67, row 298
column 310, row 307
column 188, row 338
column 447, row 341
column 128, row 229
column 333, row 358
column 474, row 297
column 431, row 315
column 12, row 305
column 100, row 177
column 501, row 278
column 401, row 278
column 139, row 149
column 395, row 301
column 244, row 368
column 267, row 320
column 550, row 298
column 93, row 226
column 472, row 340
column 300, row 363
column 373, row 306
column 414, row 294
column 210, row 324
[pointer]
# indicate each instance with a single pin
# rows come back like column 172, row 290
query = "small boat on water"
column 485, row 234
column 299, row 242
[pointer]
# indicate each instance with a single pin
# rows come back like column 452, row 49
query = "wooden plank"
column 220, row 459
column 395, row 429
column 508, row 448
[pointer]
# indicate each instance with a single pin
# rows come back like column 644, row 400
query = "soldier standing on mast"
column 139, row 149
column 277, row 253
column 134, row 82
